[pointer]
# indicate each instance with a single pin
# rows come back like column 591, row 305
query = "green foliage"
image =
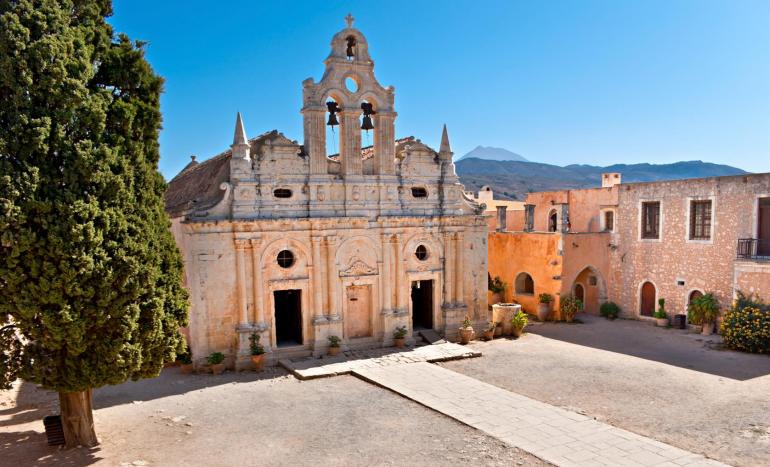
column 215, row 358
column 89, row 272
column 254, row 345
column 703, row 309
column 519, row 320
column 495, row 285
column 467, row 323
column 747, row 329
column 545, row 298
column 750, row 301
column 334, row 341
column 185, row 358
column 570, row 306
column 400, row 332
column 609, row 310
column 660, row 313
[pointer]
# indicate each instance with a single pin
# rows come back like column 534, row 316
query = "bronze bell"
column 333, row 108
column 367, row 123
column 332, row 120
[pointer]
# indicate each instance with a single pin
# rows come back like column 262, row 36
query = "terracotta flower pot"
column 661, row 322
column 466, row 334
column 334, row 351
column 218, row 369
column 186, row 368
column 489, row 335
column 258, row 361
column 543, row 310
column 517, row 332
column 707, row 329
column 399, row 342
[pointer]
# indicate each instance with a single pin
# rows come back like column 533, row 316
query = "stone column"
column 332, row 276
column 350, row 143
column 458, row 260
column 318, row 286
column 398, row 274
column 240, row 264
column 315, row 139
column 384, row 143
column 258, row 286
column 387, row 291
column 448, row 268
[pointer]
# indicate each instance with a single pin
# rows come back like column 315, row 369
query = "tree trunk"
column 77, row 418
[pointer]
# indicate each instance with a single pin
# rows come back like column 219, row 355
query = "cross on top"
column 349, row 19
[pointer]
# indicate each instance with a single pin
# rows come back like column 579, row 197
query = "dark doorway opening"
column 580, row 293
column 422, row 304
column 763, row 230
column 288, row 317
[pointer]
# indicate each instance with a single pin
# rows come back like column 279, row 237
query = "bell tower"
column 350, row 99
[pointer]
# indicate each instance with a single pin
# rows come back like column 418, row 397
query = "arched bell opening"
column 333, row 120
column 367, row 125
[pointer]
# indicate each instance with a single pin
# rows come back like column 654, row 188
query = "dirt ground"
column 244, row 419
column 679, row 388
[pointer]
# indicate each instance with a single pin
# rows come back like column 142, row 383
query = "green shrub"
column 519, row 320
column 467, row 323
column 661, row 311
column 256, row 347
column 609, row 310
column 746, row 329
column 186, row 357
column 495, row 285
column 569, row 306
column 400, row 332
column 545, row 298
column 334, row 341
column 216, row 358
column 750, row 301
column 703, row 309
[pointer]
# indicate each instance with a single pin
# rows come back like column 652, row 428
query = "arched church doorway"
column 590, row 288
column 647, row 299
column 580, row 293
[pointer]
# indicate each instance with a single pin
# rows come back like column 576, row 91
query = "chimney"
column 501, row 218
column 610, row 179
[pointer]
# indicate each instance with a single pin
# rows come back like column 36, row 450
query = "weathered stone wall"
column 673, row 263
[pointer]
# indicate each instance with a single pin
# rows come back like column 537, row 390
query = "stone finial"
column 240, row 132
column 445, row 148
column 349, row 20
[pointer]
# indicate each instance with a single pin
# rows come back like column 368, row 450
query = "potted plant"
column 544, row 306
column 661, row 318
column 704, row 311
column 497, row 287
column 609, row 310
column 216, row 360
column 489, row 332
column 399, row 336
column 257, row 351
column 518, row 323
column 498, row 329
column 466, row 330
column 334, row 345
column 185, row 362
column 569, row 306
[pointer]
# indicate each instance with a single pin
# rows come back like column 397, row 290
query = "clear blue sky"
column 561, row 82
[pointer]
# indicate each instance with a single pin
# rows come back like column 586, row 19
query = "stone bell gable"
column 286, row 241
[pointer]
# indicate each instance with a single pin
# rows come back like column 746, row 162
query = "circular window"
column 285, row 259
column 351, row 84
column 421, row 253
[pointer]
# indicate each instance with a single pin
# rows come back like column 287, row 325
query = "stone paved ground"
column 310, row 367
column 556, row 435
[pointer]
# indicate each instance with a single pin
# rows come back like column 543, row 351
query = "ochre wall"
column 587, row 254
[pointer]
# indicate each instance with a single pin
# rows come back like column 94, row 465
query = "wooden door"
column 580, row 293
column 763, row 228
column 358, row 320
column 648, row 299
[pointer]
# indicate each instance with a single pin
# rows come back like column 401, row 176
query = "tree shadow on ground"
column 29, row 447
column 671, row 346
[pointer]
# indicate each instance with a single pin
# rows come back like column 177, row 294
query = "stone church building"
column 285, row 240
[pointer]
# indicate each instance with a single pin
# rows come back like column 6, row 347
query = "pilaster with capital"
column 458, row 260
column 333, row 280
column 318, row 285
column 350, row 142
column 240, row 259
column 258, row 285
column 448, row 268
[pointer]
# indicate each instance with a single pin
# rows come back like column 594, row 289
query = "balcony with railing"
column 753, row 249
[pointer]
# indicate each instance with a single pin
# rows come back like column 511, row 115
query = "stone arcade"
column 297, row 245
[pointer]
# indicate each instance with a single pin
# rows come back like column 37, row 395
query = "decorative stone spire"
column 445, row 148
column 240, row 145
column 349, row 20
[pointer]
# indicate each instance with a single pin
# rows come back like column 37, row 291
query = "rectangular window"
column 651, row 219
column 529, row 217
column 609, row 221
column 700, row 220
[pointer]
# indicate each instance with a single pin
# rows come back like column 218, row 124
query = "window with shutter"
column 700, row 220
column 651, row 219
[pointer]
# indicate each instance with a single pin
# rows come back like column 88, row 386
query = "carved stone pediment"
column 358, row 267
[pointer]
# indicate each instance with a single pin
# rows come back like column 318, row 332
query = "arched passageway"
column 590, row 288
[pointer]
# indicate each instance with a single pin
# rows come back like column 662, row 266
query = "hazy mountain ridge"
column 494, row 154
column 514, row 179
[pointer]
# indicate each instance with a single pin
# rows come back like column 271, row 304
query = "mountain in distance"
column 514, row 179
column 493, row 154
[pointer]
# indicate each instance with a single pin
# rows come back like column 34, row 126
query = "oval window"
column 421, row 252
column 351, row 84
column 285, row 259
column 282, row 193
column 419, row 192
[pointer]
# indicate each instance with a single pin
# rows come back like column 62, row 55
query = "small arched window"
column 525, row 284
column 285, row 259
column 421, row 252
column 419, row 192
column 553, row 220
column 282, row 193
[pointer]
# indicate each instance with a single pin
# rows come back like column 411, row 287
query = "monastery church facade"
column 286, row 241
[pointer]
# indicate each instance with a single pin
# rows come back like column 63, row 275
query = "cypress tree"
column 90, row 277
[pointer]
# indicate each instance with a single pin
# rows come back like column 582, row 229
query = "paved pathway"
column 310, row 367
column 555, row 435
